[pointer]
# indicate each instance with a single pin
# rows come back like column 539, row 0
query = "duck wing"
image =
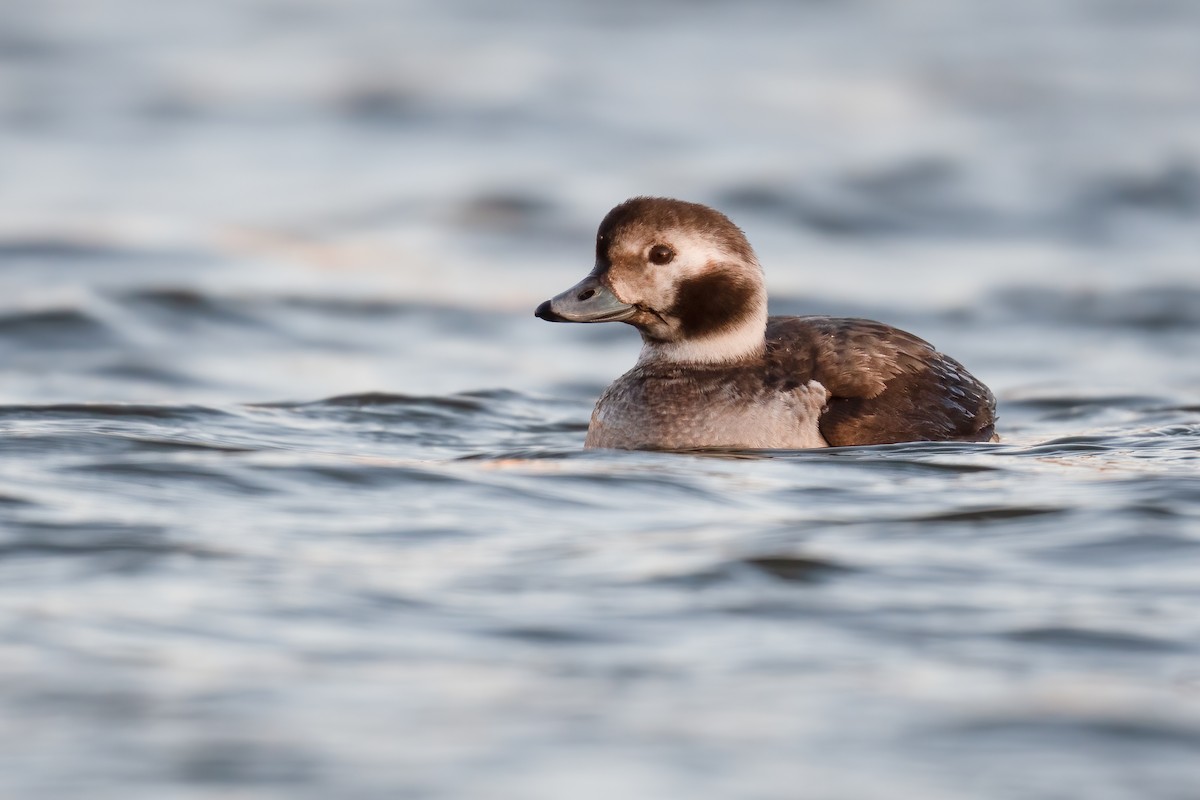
column 885, row 384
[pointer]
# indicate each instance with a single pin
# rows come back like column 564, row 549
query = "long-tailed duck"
column 716, row 371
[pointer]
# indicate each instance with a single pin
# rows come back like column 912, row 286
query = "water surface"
column 292, row 496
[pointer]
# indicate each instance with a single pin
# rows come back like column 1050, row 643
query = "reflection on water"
column 212, row 581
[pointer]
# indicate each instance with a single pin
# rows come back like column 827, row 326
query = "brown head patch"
column 649, row 214
column 713, row 302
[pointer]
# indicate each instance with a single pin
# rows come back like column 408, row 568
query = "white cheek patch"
column 694, row 255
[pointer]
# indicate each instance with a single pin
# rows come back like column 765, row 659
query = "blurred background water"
column 292, row 501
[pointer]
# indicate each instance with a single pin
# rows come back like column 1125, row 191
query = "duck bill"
column 587, row 301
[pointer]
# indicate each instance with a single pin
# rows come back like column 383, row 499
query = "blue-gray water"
column 292, row 501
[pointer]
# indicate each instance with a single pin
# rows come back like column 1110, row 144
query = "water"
column 292, row 500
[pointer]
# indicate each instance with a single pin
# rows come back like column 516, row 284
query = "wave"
column 937, row 196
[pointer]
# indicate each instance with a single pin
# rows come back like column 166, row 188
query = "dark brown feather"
column 715, row 301
column 885, row 385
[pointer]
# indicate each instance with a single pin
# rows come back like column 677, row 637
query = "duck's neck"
column 745, row 341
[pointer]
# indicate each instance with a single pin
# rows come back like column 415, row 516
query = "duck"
column 717, row 372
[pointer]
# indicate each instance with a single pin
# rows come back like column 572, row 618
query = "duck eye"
column 661, row 254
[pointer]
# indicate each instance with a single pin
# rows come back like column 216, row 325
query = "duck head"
column 681, row 273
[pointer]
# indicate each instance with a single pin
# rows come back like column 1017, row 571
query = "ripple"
column 1172, row 188
column 1079, row 405
column 64, row 249
column 1126, row 550
column 231, row 762
column 382, row 105
column 1123, row 729
column 993, row 514
column 471, row 421
column 509, row 211
column 95, row 539
column 364, row 475
column 937, row 196
column 551, row 635
column 354, row 307
column 159, row 473
column 1145, row 308
column 1164, row 440
column 179, row 305
column 55, row 329
column 796, row 568
column 141, row 371
column 923, row 195
column 1124, row 642
column 1072, row 445
column 111, row 410
column 461, row 402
